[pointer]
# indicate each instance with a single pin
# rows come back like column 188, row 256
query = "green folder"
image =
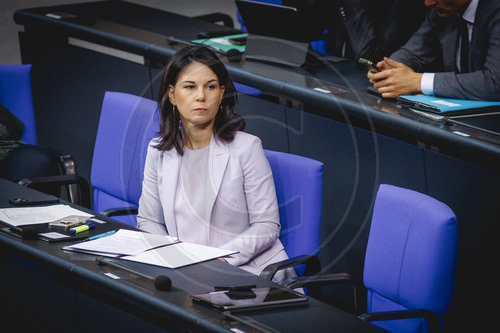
column 222, row 43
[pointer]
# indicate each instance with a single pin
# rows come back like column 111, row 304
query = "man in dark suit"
column 440, row 59
column 371, row 29
column 356, row 29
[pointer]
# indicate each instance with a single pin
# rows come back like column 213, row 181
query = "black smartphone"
column 368, row 64
column 238, row 40
column 235, row 288
column 26, row 201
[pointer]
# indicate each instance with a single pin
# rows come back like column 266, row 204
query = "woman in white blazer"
column 205, row 181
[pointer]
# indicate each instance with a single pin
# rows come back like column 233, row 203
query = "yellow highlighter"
column 82, row 228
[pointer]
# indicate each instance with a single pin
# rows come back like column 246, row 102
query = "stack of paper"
column 123, row 242
column 38, row 215
column 180, row 254
column 159, row 250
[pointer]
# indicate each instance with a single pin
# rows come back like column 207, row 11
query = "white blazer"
column 245, row 215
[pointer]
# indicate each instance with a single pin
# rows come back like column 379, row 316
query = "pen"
column 102, row 235
column 81, row 228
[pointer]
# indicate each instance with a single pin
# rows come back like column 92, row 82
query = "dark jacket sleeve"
column 377, row 28
column 424, row 52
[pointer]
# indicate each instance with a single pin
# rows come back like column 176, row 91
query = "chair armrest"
column 84, row 186
column 331, row 280
column 433, row 321
column 217, row 17
column 312, row 263
column 119, row 211
column 68, row 164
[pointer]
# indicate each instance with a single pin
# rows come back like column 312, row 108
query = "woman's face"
column 196, row 95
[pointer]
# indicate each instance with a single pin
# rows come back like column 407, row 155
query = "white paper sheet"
column 38, row 215
column 123, row 242
column 179, row 254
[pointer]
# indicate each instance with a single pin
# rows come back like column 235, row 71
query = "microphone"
column 234, row 55
column 161, row 282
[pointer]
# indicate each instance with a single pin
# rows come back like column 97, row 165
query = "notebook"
column 447, row 106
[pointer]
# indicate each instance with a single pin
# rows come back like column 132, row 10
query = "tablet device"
column 255, row 298
column 489, row 123
column 273, row 20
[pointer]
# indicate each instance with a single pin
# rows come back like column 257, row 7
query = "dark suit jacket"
column 433, row 49
column 372, row 28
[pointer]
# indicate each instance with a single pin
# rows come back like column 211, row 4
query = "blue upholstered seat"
column 127, row 124
column 31, row 165
column 299, row 188
column 411, row 255
column 15, row 95
column 410, row 263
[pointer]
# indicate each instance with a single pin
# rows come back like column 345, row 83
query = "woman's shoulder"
column 153, row 144
column 245, row 145
column 155, row 141
column 153, row 147
column 245, row 139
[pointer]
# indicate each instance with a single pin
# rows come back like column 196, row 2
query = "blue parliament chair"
column 29, row 164
column 410, row 263
column 299, row 189
column 16, row 96
column 127, row 123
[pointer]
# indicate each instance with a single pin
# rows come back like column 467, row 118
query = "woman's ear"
column 171, row 95
column 222, row 90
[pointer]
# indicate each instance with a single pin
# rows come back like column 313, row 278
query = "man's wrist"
column 418, row 82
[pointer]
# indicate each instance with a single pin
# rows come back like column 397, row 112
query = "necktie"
column 464, row 45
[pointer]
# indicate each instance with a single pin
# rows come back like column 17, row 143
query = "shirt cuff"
column 427, row 84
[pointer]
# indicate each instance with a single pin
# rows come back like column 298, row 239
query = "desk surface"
column 84, row 275
column 144, row 31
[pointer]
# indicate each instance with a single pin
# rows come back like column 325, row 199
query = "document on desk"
column 179, row 255
column 123, row 242
column 38, row 215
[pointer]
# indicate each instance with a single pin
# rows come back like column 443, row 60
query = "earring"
column 173, row 110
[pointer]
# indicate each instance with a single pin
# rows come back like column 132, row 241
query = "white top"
column 194, row 195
